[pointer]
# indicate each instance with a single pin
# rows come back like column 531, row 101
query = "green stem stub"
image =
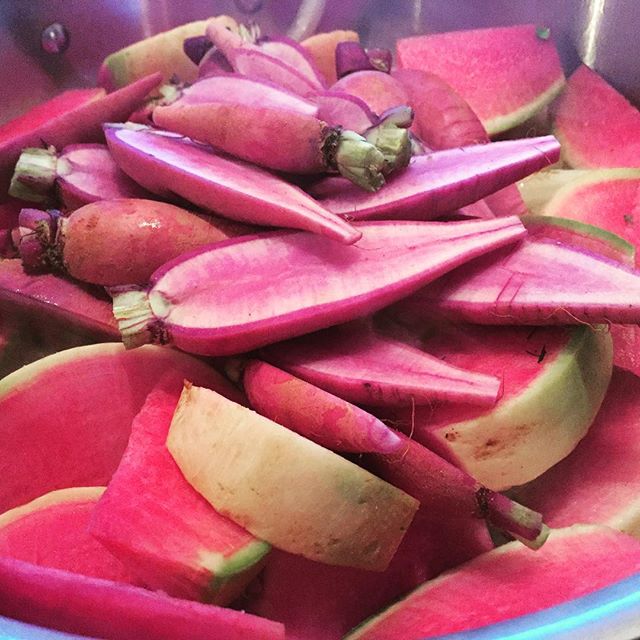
column 136, row 320
column 34, row 175
column 391, row 136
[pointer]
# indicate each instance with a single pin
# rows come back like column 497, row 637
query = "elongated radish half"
column 51, row 531
column 313, row 413
column 441, row 181
column 168, row 164
column 81, row 173
column 575, row 561
column 278, row 285
column 71, row 446
column 79, row 121
column 53, row 298
column 284, row 488
column 555, row 379
column 168, row 535
column 600, row 478
column 338, row 108
column 101, row 608
column 89, row 244
column 362, row 365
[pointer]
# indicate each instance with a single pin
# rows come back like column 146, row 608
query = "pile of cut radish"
column 292, row 347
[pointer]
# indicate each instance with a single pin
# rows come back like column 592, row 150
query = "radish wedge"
column 284, row 488
column 278, row 285
column 441, row 181
column 313, row 413
column 168, row 164
column 365, row 366
column 507, row 582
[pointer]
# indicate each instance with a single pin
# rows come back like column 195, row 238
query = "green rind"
column 238, row 563
column 542, row 424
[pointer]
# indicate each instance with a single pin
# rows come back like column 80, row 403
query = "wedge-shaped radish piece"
column 508, row 582
column 322, row 48
column 284, row 488
column 510, row 287
column 167, row 164
column 168, row 535
column 338, row 108
column 313, row 413
column 278, row 285
column 89, row 243
column 51, row 531
column 377, row 89
column 519, row 66
column 441, row 181
column 76, row 445
column 555, row 379
column 295, row 55
column 80, row 173
column 366, row 366
column 78, row 119
column 598, row 483
column 105, row 609
column 596, row 125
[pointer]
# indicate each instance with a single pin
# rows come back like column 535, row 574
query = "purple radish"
column 168, row 164
column 244, row 127
column 365, row 366
column 511, row 287
column 337, row 108
column 278, row 285
column 89, row 244
column 313, row 413
column 441, row 181
column 439, row 485
column 82, row 173
column 352, row 56
column 377, row 89
column 48, row 296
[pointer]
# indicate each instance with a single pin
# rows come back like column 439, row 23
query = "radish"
column 89, row 244
column 366, row 366
column 82, row 173
column 322, row 49
column 337, row 108
column 442, row 181
column 320, row 416
column 377, row 89
column 352, row 57
column 278, row 285
column 167, row 164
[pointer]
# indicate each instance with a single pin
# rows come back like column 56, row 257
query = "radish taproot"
column 179, row 543
column 310, row 283
column 168, row 164
column 313, row 413
column 81, row 173
column 441, row 181
column 88, row 244
column 362, row 364
column 285, row 489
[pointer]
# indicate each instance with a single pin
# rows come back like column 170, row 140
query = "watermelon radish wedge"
column 51, row 531
column 75, row 445
column 169, row 537
column 599, row 481
column 507, row 582
column 554, row 381
column 278, row 285
column 596, row 125
column 506, row 74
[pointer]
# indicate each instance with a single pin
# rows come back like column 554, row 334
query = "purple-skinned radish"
column 278, row 285
column 352, row 57
column 360, row 364
column 168, row 165
column 81, row 173
column 89, row 244
column 318, row 415
column 441, row 181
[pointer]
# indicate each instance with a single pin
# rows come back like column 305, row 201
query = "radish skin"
column 278, row 285
column 377, row 89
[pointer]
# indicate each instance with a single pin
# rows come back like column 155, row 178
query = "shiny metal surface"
column 37, row 63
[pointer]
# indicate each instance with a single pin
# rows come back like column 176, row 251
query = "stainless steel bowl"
column 50, row 45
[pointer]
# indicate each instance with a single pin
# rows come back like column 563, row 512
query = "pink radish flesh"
column 278, row 285
column 365, row 366
column 377, row 89
column 337, row 108
column 442, row 181
column 295, row 55
column 314, row 413
column 168, row 164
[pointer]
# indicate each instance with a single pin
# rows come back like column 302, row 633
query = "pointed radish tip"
column 386, row 440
